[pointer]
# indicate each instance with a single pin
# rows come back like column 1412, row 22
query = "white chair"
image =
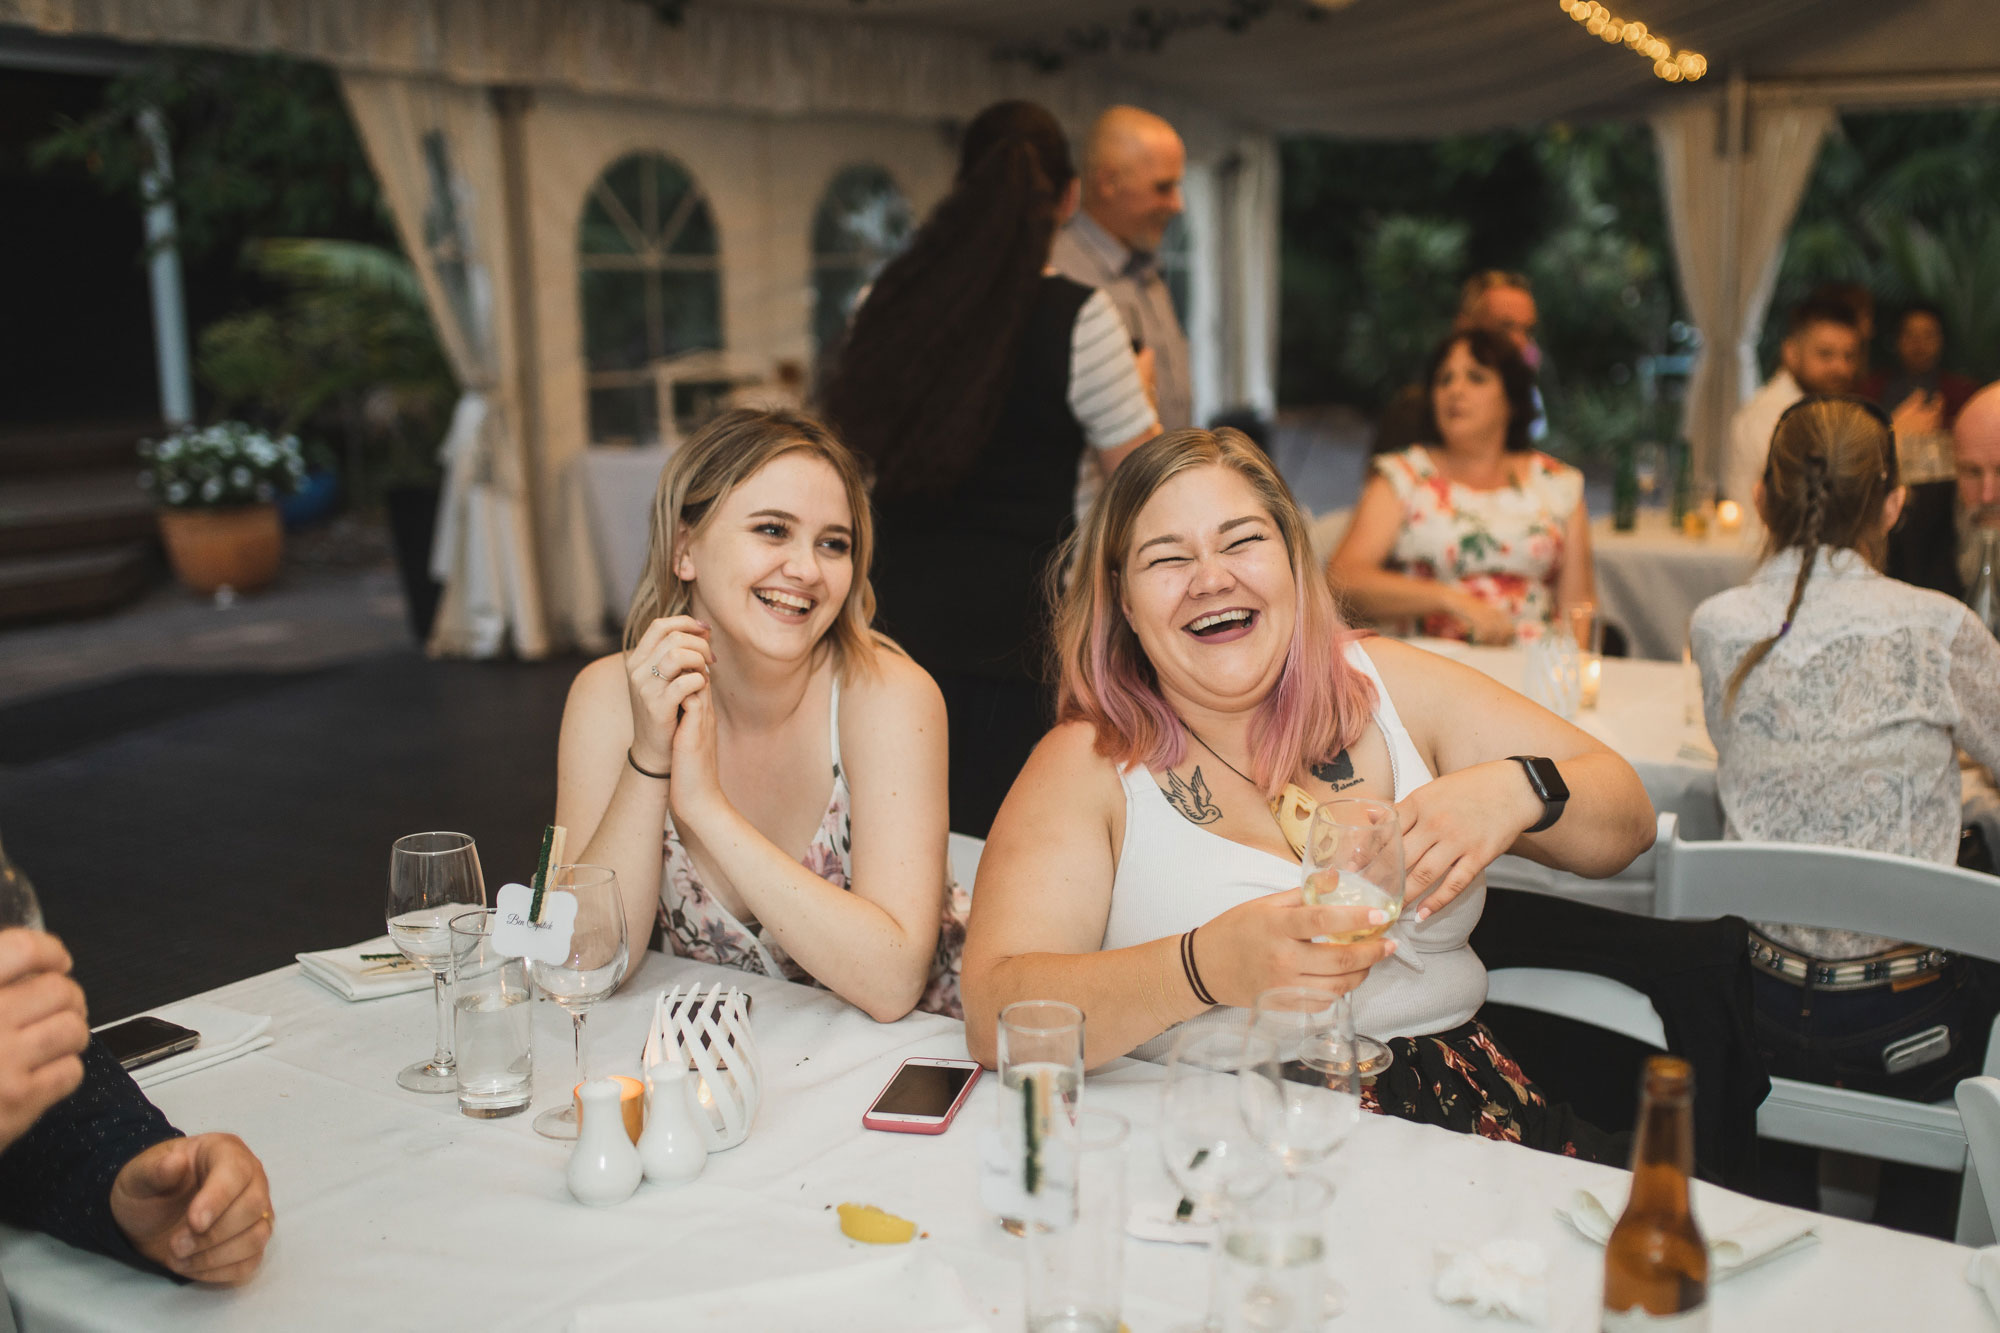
column 962, row 851
column 1979, row 1107
column 1893, row 896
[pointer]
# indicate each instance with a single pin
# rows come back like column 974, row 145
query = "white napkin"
column 905, row 1293
column 225, row 1034
column 1742, row 1233
column 1508, row 1278
column 339, row 970
column 1983, row 1272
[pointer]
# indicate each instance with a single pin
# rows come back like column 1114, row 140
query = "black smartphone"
column 141, row 1041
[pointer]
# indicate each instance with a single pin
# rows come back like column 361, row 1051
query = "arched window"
column 863, row 220
column 651, row 288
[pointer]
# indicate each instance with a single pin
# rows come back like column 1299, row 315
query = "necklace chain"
column 1218, row 758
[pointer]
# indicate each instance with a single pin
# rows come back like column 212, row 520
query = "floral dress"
column 696, row 925
column 1504, row 546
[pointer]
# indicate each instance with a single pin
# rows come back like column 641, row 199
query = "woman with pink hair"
column 1136, row 869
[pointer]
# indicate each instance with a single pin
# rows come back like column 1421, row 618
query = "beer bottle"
column 1656, row 1263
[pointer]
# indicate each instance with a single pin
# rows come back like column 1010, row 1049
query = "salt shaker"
column 671, row 1149
column 604, row 1166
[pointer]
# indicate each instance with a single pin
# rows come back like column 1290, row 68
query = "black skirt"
column 1464, row 1080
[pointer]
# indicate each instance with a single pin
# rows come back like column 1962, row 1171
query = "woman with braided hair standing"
column 1837, row 699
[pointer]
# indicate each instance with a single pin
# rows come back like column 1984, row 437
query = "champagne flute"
column 1304, row 1102
column 590, row 971
column 432, row 878
column 1354, row 858
column 1207, row 1147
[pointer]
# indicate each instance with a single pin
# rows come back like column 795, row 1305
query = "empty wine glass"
column 1304, row 1102
column 1354, row 858
column 18, row 904
column 590, row 970
column 1206, row 1145
column 432, row 878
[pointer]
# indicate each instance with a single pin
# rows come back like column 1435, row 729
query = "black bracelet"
column 643, row 772
column 1193, row 972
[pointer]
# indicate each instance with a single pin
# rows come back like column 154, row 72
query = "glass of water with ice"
column 490, row 1015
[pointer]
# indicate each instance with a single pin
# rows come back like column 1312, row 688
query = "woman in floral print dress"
column 763, row 771
column 1479, row 534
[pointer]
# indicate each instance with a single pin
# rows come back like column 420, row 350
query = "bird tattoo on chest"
column 1192, row 798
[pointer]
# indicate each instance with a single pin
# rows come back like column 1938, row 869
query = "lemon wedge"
column 865, row 1222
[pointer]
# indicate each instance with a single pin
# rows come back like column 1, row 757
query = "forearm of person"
column 629, row 841
column 1608, row 821
column 853, row 946
column 1383, row 594
column 1128, row 996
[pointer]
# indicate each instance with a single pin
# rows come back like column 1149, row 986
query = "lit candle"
column 1593, row 675
column 1728, row 517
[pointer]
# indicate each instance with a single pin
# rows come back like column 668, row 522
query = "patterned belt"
column 1909, row 963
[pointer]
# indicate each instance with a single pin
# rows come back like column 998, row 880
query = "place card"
column 516, row 934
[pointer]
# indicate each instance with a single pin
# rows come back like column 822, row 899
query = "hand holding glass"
column 589, row 972
column 432, row 878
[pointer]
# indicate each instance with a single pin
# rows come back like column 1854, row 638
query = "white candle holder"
column 708, row 1034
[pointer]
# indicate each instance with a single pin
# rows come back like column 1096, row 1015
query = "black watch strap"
column 1548, row 784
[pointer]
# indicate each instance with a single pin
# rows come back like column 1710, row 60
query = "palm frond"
column 318, row 263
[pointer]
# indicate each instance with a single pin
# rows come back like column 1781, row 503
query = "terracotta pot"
column 238, row 546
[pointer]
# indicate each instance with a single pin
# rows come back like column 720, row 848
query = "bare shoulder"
column 599, row 688
column 894, row 691
column 1067, row 767
column 1424, row 685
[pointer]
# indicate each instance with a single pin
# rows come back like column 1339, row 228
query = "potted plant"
column 217, row 488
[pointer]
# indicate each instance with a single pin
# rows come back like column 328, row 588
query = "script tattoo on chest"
column 1192, row 798
column 1338, row 773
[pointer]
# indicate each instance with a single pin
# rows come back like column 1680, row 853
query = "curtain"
column 1728, row 216
column 436, row 152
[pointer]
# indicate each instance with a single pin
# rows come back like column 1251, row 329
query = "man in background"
column 1821, row 354
column 1976, row 441
column 87, row 1159
column 1132, row 174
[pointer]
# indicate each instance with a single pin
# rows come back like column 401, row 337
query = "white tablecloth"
column 396, row 1212
column 1651, row 579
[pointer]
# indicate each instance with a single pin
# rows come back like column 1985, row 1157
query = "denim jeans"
column 1836, row 1037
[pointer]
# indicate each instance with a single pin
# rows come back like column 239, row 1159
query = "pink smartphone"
column 923, row 1096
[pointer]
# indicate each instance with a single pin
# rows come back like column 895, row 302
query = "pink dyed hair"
column 1320, row 703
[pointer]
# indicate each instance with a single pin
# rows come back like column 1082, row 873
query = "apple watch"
column 1548, row 784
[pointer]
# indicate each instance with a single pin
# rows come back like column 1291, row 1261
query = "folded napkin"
column 225, row 1034
column 340, row 971
column 1983, row 1272
column 906, row 1293
column 1508, row 1278
column 1742, row 1233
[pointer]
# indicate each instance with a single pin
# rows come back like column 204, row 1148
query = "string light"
column 1669, row 64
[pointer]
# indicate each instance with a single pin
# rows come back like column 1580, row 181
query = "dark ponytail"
column 919, row 380
column 1831, row 467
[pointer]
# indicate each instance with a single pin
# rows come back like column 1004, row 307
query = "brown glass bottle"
column 1656, row 1263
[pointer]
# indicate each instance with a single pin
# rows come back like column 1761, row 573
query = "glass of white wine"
column 432, row 878
column 1354, row 858
column 589, row 972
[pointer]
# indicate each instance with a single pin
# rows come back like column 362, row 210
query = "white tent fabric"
column 1730, row 200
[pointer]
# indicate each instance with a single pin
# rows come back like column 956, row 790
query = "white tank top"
column 1172, row 876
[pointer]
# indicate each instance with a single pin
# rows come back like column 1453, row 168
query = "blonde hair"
column 1831, row 467
column 721, row 456
column 1319, row 704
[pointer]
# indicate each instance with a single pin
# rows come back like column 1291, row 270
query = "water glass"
column 1040, row 1063
column 1554, row 675
column 1274, row 1259
column 491, row 1020
column 591, row 970
column 1305, row 1102
column 432, row 878
column 1076, row 1266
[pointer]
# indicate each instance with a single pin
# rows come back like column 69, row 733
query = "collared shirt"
column 1085, row 252
column 1749, row 443
column 1844, row 734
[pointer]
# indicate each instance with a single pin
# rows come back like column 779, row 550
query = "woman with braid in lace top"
column 1837, row 698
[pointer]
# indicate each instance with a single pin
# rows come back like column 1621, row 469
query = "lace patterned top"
column 1844, row 735
column 1503, row 546
column 696, row 925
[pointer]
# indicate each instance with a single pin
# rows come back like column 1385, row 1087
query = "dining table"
column 1651, row 578
column 394, row 1211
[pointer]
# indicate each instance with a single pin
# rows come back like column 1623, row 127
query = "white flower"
column 240, row 477
column 177, row 493
column 211, row 490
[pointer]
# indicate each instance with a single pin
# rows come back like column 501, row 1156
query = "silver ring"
column 656, row 673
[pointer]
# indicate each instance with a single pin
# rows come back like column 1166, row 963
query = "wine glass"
column 1207, row 1147
column 18, row 904
column 590, row 971
column 1354, row 858
column 1304, row 1102
column 432, row 878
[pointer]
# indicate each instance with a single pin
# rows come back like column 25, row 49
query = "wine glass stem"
column 443, row 1058
column 1211, row 1321
column 582, row 1071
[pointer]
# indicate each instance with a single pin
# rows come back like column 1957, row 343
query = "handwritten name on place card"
column 516, row 935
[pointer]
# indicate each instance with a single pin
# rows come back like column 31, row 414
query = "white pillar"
column 163, row 274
